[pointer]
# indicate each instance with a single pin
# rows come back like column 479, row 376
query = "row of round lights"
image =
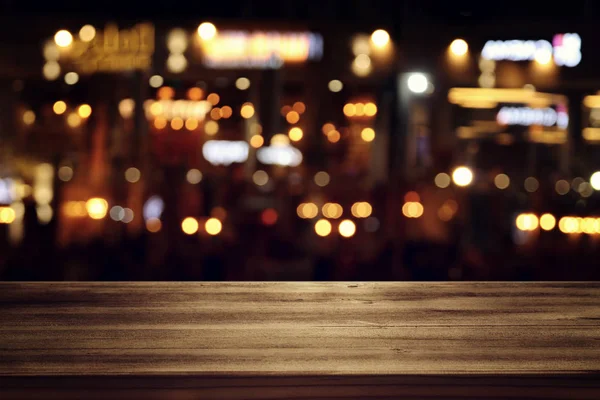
column 310, row 210
column 360, row 110
column 529, row 222
column 212, row 226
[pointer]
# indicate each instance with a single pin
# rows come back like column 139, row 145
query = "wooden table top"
column 389, row 332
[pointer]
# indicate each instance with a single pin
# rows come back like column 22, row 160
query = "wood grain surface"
column 300, row 340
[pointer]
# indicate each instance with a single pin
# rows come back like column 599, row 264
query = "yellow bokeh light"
column 333, row 136
column 347, row 228
column 153, row 225
column 156, row 109
column 295, row 134
column 51, row 70
column 360, row 109
column 87, row 33
column 547, row 222
column 335, row 85
column 189, row 225
column 367, row 134
column 213, row 99
column 412, row 209
column 462, row 176
column 71, row 78
column 7, row 215
column 73, row 120
column 299, row 107
column 527, row 222
column 156, row 81
column 242, row 83
column 380, row 38
column 292, row 117
column 213, row 226
column 280, row 140
column 176, row 63
column 370, row 109
column 247, row 111
column 307, row 210
column 84, row 110
column 207, row 31
column 191, row 124
column 323, row 227
column 211, row 128
column 328, row 127
column 28, row 117
column 361, row 209
column 459, row 47
column 226, row 112
column 59, row 107
column 595, row 180
column 256, row 141
column 63, row 38
column 332, row 210
column 126, row 108
column 160, row 123
column 349, row 110
column 176, row 123
column 96, row 207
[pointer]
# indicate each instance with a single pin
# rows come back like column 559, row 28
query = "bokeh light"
column 547, row 222
column 459, row 47
column 292, row 117
column 65, row 173
column 333, row 136
column 71, row 78
column 347, row 228
column 323, row 227
column 442, row 180
column 380, row 38
column 335, row 86
column 269, row 217
column 531, row 184
column 247, row 111
column 189, row 225
column 156, row 81
column 51, row 70
column 332, row 210
column 59, row 107
column 367, row 134
column 191, row 124
column 322, row 178
column 562, row 187
column 194, row 176
column 256, row 141
column 84, row 110
column 195, row 93
column 153, row 225
column 295, row 134
column 307, row 210
column 213, row 226
column 462, row 176
column 28, row 117
column 63, row 38
column 73, row 120
column 502, row 181
column 527, row 222
column 213, row 99
column 361, row 209
column 595, row 180
column 260, row 178
column 87, row 33
column 96, row 207
column 242, row 83
column 207, row 31
column 132, row 175
column 211, row 128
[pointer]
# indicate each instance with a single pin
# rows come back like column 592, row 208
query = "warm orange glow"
column 280, row 140
column 347, row 228
column 292, row 117
column 84, row 110
column 165, row 93
column 195, row 93
column 160, row 123
column 380, row 38
column 333, row 136
column 360, row 109
column 247, row 111
column 328, row 127
column 75, row 209
column 96, row 208
column 28, row 117
column 213, row 226
column 176, row 123
column 59, row 107
column 459, row 47
column 215, row 113
column 462, row 176
column 295, row 134
column 211, row 128
column 73, row 120
column 226, row 112
column 412, row 197
column 156, row 109
column 361, row 209
column 153, row 225
column 207, row 31
column 7, row 215
column 299, row 107
column 285, row 110
column 256, row 141
column 349, row 110
column 191, row 124
column 63, row 38
column 213, row 99
column 323, row 227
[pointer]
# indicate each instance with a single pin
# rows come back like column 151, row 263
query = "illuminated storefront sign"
column 114, row 50
column 527, row 116
column 565, row 49
column 287, row 156
column 225, row 152
column 184, row 109
column 263, row 50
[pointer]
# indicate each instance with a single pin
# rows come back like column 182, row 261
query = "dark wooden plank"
column 300, row 340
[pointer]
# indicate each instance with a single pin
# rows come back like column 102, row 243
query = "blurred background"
column 329, row 140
